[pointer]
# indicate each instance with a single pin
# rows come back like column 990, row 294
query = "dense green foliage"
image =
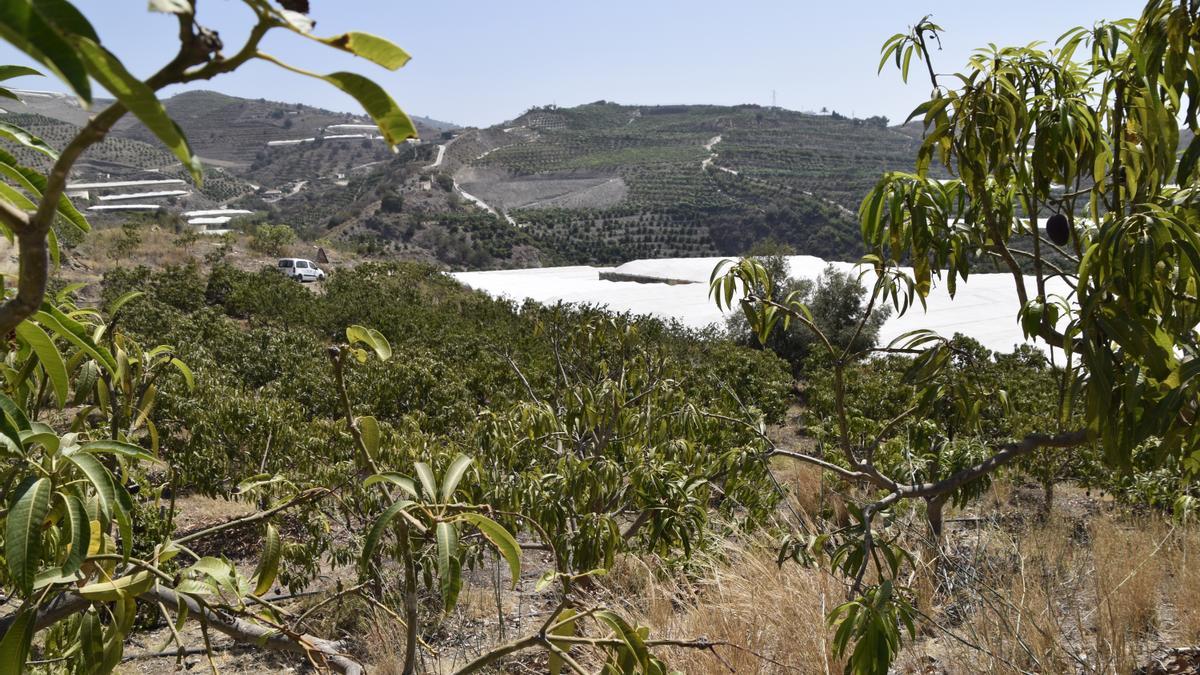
column 476, row 373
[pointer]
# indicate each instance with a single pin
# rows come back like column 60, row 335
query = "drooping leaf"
column 399, row 480
column 504, row 542
column 9, row 72
column 394, row 124
column 563, row 626
column 449, row 568
column 23, row 531
column 49, row 356
column 14, row 646
column 376, row 532
column 118, row 448
column 81, row 533
column 20, row 136
column 268, row 565
column 24, row 27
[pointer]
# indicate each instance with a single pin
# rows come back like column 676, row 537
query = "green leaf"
column 171, row 6
column 23, row 531
column 118, row 589
column 399, row 480
column 28, row 30
column 54, row 321
column 188, row 378
column 428, row 482
column 100, row 479
column 628, row 634
column 118, row 448
column 49, row 356
column 393, row 123
column 504, row 542
column 14, row 647
column 368, row 428
column 454, row 475
column 268, row 565
column 141, row 101
column 371, row 338
column 116, row 305
column 9, row 72
column 81, row 532
column 376, row 532
column 20, row 136
column 563, row 626
column 371, row 47
column 449, row 567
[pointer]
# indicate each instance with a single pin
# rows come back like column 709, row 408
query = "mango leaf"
column 449, row 568
column 20, row 136
column 141, row 101
column 117, row 589
column 9, row 72
column 118, row 448
column 453, row 475
column 504, row 542
column 14, row 647
column 23, row 531
column 627, row 634
column 116, row 305
column 81, row 532
column 371, row 47
column 188, row 378
column 564, row 626
column 268, row 565
column 371, row 338
column 368, row 428
column 24, row 27
column 35, row 183
column 171, row 6
column 49, row 356
column 399, row 480
column 428, row 483
column 376, row 532
column 100, row 479
column 394, row 124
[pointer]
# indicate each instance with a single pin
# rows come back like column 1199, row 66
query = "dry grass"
column 774, row 615
column 1128, row 579
column 1059, row 596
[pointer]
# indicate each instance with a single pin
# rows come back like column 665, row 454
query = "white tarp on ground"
column 217, row 212
column 984, row 308
column 123, row 183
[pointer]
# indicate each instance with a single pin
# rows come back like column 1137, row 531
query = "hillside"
column 603, row 183
column 598, row 184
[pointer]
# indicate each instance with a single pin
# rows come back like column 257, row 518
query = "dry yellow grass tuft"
column 773, row 618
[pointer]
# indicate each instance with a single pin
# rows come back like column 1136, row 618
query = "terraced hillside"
column 604, row 182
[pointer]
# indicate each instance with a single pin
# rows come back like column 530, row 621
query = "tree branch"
column 270, row 638
column 1004, row 455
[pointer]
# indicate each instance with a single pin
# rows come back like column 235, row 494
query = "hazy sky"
column 478, row 62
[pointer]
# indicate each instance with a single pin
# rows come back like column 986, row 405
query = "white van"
column 301, row 270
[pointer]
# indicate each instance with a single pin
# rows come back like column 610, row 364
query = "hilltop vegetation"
column 598, row 183
column 604, row 183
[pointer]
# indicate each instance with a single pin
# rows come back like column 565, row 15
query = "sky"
column 480, row 62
